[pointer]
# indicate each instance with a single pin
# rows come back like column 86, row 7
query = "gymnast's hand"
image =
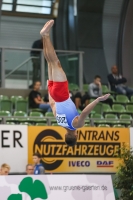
column 104, row 97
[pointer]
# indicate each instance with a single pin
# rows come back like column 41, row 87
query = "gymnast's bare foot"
column 46, row 29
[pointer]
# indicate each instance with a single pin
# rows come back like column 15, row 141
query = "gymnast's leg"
column 58, row 74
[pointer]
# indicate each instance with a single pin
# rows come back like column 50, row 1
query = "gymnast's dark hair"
column 70, row 139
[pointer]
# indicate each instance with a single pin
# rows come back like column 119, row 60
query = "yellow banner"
column 93, row 152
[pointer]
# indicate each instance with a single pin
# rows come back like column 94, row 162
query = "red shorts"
column 58, row 90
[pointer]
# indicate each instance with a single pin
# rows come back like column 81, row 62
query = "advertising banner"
column 55, row 187
column 94, row 151
column 14, row 142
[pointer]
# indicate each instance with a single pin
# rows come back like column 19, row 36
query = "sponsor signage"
column 105, row 163
column 56, row 187
column 94, row 151
column 13, row 149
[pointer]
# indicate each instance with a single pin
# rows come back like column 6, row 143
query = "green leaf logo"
column 15, row 197
column 34, row 189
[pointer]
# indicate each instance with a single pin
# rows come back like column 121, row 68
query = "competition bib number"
column 61, row 120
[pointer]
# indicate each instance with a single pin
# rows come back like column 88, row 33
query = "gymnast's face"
column 76, row 135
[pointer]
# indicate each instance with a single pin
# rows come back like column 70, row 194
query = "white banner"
column 14, row 142
column 131, row 137
column 56, row 187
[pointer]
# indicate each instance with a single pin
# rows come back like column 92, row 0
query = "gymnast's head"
column 71, row 138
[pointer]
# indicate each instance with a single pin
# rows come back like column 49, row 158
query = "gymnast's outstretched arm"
column 88, row 109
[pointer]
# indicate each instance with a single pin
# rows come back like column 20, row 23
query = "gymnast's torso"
column 66, row 112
